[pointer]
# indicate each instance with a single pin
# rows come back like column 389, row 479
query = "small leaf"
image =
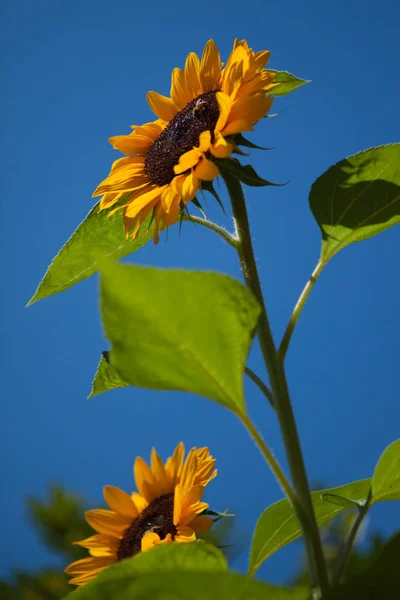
column 245, row 173
column 287, row 83
column 197, row 203
column 178, row 330
column 106, row 378
column 195, row 571
column 77, row 261
column 386, row 478
column 278, row 524
column 343, row 502
column 357, row 198
column 240, row 140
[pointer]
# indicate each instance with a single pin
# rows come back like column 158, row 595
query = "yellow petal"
column 206, row 170
column 250, row 108
column 173, row 465
column 180, row 94
column 190, row 187
column 109, row 200
column 121, row 180
column 185, row 534
column 140, row 502
column 202, row 524
column 168, row 197
column 85, row 565
column 225, row 104
column 210, row 67
column 119, row 501
column 221, row 148
column 192, row 75
column 142, row 200
column 237, row 127
column 160, row 475
column 100, row 545
column 144, row 478
column 162, row 106
column 149, row 540
column 131, row 144
column 205, row 141
column 107, row 522
column 187, row 161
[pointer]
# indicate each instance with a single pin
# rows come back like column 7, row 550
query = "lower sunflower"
column 167, row 508
column 168, row 160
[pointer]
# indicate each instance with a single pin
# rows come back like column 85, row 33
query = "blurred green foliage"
column 59, row 520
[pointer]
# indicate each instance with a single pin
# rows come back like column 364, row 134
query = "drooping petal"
column 185, row 534
column 206, row 170
column 221, row 148
column 131, row 144
column 201, row 524
column 100, row 545
column 190, row 187
column 84, row 565
column 142, row 200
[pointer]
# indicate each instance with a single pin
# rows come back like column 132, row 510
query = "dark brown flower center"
column 157, row 517
column 181, row 135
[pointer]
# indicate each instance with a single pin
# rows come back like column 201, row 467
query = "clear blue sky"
column 76, row 73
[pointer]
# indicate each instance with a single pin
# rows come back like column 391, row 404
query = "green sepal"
column 197, row 203
column 240, row 140
column 245, row 173
column 207, row 186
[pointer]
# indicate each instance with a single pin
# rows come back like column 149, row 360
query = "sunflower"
column 167, row 160
column 167, row 508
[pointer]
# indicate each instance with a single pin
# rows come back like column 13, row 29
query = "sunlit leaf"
column 178, row 330
column 278, row 525
column 386, row 478
column 77, row 261
column 181, row 572
column 357, row 198
column 106, row 378
column 287, row 83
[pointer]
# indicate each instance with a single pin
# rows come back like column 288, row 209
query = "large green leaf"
column 77, row 261
column 287, row 83
column 386, row 479
column 278, row 524
column 178, row 330
column 357, row 198
column 106, row 377
column 179, row 572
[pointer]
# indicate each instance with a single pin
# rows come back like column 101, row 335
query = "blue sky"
column 77, row 73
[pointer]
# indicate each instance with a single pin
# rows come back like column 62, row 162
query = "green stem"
column 302, row 502
column 259, row 382
column 269, row 457
column 346, row 549
column 226, row 236
column 298, row 308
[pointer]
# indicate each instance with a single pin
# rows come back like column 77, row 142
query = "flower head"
column 166, row 508
column 168, row 159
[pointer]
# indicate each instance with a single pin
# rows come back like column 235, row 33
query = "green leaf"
column 278, row 524
column 77, row 261
column 245, row 173
column 357, row 198
column 287, row 83
column 386, row 478
column 106, row 378
column 208, row 186
column 195, row 571
column 178, row 330
column 380, row 582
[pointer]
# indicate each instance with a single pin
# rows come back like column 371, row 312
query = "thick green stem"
column 298, row 308
column 302, row 503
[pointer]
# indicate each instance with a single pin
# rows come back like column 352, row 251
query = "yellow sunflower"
column 168, row 159
column 167, row 508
